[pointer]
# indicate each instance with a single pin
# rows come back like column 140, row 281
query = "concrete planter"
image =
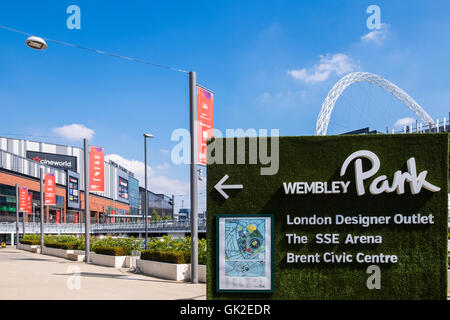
column 27, row 247
column 201, row 273
column 110, row 261
column 57, row 252
column 77, row 255
column 171, row 271
column 36, row 250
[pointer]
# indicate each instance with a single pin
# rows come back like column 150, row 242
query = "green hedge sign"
column 352, row 217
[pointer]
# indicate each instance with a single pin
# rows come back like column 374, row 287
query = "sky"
column 270, row 65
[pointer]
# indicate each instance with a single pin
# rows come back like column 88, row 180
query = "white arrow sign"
column 220, row 186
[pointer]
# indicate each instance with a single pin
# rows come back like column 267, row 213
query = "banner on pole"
column 97, row 169
column 23, row 199
column 30, row 203
column 50, row 189
column 205, row 121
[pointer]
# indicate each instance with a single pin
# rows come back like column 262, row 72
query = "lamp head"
column 36, row 43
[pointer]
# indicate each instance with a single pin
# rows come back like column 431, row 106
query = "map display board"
column 244, row 253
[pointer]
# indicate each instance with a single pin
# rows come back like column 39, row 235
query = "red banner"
column 75, row 218
column 58, row 216
column 30, row 203
column 97, row 169
column 23, row 199
column 205, row 121
column 50, row 189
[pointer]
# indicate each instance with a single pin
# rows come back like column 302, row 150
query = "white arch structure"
column 335, row 92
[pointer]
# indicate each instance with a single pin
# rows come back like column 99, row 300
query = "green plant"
column 31, row 239
column 112, row 251
column 177, row 257
column 155, row 215
column 177, row 245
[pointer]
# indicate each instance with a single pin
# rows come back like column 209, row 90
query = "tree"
column 156, row 216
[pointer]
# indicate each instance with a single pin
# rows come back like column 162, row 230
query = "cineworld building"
column 20, row 162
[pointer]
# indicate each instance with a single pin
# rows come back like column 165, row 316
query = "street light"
column 36, row 43
column 146, row 135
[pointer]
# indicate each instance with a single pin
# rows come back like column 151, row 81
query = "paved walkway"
column 26, row 275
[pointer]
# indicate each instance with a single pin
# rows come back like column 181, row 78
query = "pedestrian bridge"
column 168, row 227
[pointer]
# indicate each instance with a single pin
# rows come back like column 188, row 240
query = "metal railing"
column 76, row 228
column 418, row 127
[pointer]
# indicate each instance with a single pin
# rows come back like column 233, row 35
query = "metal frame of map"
column 249, row 216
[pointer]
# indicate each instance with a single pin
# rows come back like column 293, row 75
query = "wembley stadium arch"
column 335, row 92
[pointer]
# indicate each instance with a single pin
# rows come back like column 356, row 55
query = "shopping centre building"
column 20, row 161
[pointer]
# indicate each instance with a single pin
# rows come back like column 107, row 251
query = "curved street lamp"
column 36, row 43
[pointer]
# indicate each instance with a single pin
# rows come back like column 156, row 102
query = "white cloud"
column 404, row 122
column 282, row 98
column 265, row 98
column 338, row 63
column 163, row 166
column 74, row 131
column 156, row 183
column 378, row 35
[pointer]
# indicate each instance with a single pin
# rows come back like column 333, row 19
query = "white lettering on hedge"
column 380, row 184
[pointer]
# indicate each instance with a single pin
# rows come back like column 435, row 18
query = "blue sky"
column 247, row 52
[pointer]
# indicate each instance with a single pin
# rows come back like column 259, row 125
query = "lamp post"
column 42, row 209
column 146, row 135
column 17, row 215
column 194, row 178
column 87, row 211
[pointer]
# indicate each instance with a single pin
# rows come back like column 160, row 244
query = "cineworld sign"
column 57, row 161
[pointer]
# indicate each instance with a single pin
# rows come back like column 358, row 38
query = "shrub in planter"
column 178, row 257
column 65, row 246
column 128, row 244
column 31, row 239
column 113, row 251
column 167, row 243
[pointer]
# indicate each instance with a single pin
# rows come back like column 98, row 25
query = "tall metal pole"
column 194, row 154
column 17, row 215
column 173, row 206
column 23, row 224
column 146, row 193
column 42, row 210
column 87, row 212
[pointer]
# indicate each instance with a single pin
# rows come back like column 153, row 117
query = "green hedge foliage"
column 31, row 239
column 177, row 257
column 175, row 245
column 112, row 251
column 165, row 249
